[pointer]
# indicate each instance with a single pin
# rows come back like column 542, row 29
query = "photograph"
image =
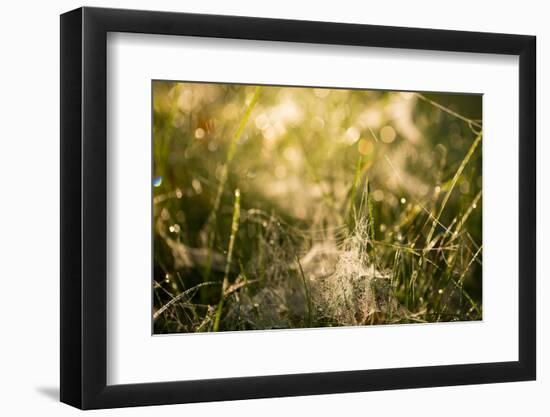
column 292, row 207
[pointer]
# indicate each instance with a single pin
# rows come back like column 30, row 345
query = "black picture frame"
column 84, row 207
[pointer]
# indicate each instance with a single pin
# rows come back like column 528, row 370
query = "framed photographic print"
column 256, row 208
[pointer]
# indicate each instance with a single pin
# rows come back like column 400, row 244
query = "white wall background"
column 29, row 208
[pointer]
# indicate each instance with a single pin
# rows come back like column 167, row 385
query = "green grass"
column 225, row 283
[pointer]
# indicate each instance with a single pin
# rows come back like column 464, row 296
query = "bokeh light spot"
column 365, row 147
column 352, row 134
column 200, row 133
column 387, row 134
column 157, row 181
